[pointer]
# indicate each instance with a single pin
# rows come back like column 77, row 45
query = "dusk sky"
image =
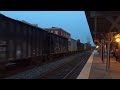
column 73, row 22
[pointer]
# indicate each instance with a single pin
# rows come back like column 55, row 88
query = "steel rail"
column 75, row 68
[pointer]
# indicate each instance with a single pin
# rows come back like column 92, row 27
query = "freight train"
column 25, row 43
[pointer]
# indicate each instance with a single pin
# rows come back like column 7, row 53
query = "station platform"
column 96, row 69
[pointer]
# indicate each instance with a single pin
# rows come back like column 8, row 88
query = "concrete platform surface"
column 96, row 69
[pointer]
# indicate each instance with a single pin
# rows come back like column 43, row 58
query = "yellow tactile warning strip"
column 84, row 74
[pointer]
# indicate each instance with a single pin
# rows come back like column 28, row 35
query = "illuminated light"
column 97, row 46
column 117, row 40
column 117, row 36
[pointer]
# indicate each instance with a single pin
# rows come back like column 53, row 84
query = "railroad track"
column 68, row 70
column 55, row 70
column 73, row 71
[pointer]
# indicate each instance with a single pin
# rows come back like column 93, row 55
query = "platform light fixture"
column 97, row 46
column 117, row 38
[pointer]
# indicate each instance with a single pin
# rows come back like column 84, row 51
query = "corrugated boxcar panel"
column 24, row 49
column 58, row 44
column 44, row 46
column 40, row 42
column 3, row 50
column 45, row 41
column 25, row 40
column 11, row 49
column 51, row 43
column 33, row 42
column 18, row 50
column 29, row 50
column 37, row 43
column 29, row 42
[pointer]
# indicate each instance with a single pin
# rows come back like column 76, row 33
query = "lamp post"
column 117, row 39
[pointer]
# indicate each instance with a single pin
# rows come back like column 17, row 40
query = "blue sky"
column 73, row 22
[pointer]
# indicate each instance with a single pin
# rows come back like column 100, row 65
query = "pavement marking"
column 84, row 74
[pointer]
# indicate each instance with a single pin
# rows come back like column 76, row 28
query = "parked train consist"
column 72, row 45
column 80, row 46
column 87, row 46
column 57, row 44
column 22, row 41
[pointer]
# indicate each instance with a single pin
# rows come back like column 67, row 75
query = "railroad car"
column 72, row 46
column 24, row 42
column 87, row 46
column 58, row 44
column 81, row 47
column 21, row 40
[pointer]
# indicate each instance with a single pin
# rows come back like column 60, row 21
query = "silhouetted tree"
column 88, row 40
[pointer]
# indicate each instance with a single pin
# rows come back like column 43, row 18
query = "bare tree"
column 88, row 39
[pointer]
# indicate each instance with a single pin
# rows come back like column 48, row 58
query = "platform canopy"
column 102, row 22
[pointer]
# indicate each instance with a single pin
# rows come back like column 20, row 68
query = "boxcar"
column 80, row 46
column 57, row 44
column 87, row 46
column 72, row 45
column 19, row 40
